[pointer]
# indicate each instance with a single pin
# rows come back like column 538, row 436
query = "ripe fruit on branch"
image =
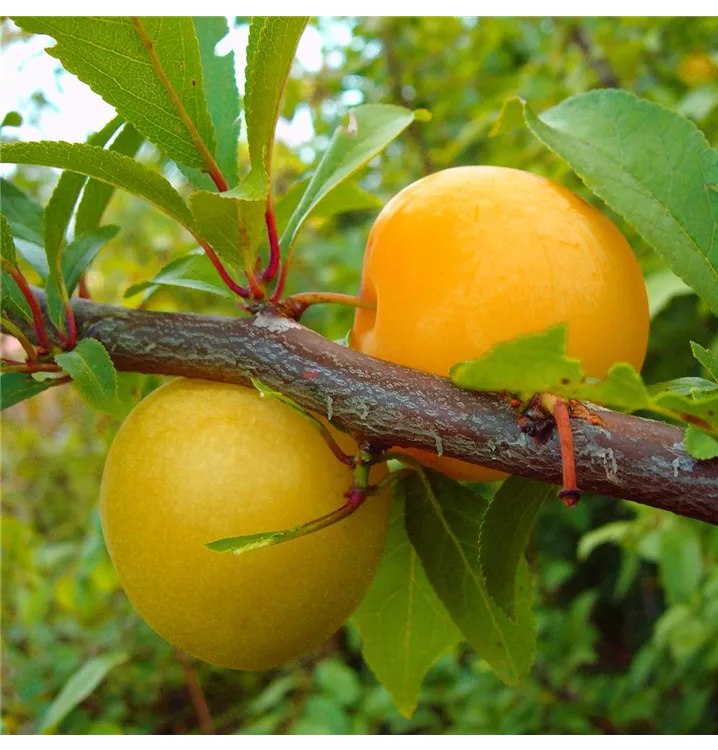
column 473, row 256
column 199, row 461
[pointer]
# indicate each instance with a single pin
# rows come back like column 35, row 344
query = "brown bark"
column 625, row 457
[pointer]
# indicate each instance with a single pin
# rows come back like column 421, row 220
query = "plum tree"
column 196, row 461
column 473, row 256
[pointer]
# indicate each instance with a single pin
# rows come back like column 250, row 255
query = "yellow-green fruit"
column 197, row 461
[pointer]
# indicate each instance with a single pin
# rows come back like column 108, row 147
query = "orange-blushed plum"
column 198, row 461
column 469, row 257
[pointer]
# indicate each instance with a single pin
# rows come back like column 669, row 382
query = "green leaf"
column 11, row 120
column 443, row 520
column 13, row 301
column 505, row 531
column 706, row 358
column 7, row 245
column 662, row 287
column 160, row 91
column 23, row 215
column 104, row 165
column 503, row 368
column 222, row 94
column 77, row 688
column 680, row 562
column 700, row 444
column 370, row 129
column 650, row 165
column 614, row 533
column 191, row 271
column 19, row 386
column 96, row 194
column 404, row 626
column 347, row 196
column 272, row 44
column 80, row 253
column 92, row 372
column 232, row 223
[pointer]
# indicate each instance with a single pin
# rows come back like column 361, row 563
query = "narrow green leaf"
column 650, row 165
column 14, row 303
column 7, row 245
column 443, row 519
column 346, row 197
column 271, row 48
column 232, row 223
column 614, row 533
column 104, row 165
column 19, row 386
column 706, row 358
column 23, row 214
column 108, row 54
column 505, row 531
column 77, row 688
column 222, row 93
column 700, row 444
column 92, row 372
column 97, row 195
column 191, row 271
column 404, row 626
column 370, row 129
column 80, row 253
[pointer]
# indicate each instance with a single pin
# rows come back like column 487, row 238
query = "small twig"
column 196, row 694
column 12, row 366
column 37, row 319
column 24, row 342
column 296, row 305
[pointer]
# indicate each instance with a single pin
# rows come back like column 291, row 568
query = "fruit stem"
column 296, row 305
column 569, row 493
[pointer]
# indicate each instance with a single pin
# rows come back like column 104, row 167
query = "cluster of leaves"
column 415, row 610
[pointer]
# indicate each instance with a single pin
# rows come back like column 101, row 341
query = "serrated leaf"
column 222, row 93
column 19, row 386
column 271, row 48
column 504, row 368
column 92, row 371
column 14, row 303
column 77, row 688
column 370, row 129
column 443, row 519
column 191, row 271
column 505, row 531
column 691, row 386
column 232, row 223
column 158, row 86
column 7, row 244
column 347, row 196
column 706, row 358
column 404, row 626
column 700, row 444
column 104, row 165
column 96, row 194
column 650, row 165
column 662, row 287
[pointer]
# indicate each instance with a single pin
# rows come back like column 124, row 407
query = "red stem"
column 70, row 340
column 281, row 281
column 38, row 323
column 569, row 493
column 228, row 280
column 271, row 271
column 82, row 289
column 218, row 179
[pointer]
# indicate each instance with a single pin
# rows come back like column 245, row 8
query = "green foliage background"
column 626, row 597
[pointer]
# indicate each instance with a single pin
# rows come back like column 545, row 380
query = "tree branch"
column 625, row 457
